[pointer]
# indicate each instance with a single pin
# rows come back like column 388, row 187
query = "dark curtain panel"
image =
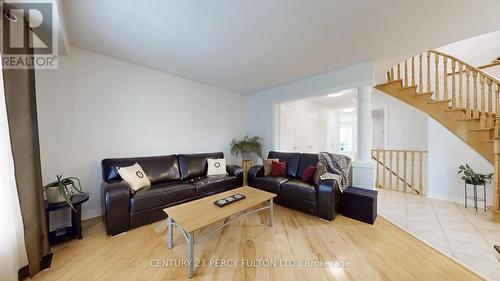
column 20, row 98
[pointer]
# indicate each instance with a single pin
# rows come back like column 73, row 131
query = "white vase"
column 54, row 196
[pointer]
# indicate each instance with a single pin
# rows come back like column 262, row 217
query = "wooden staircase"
column 461, row 97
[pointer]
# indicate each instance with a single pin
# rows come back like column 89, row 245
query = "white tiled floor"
column 462, row 234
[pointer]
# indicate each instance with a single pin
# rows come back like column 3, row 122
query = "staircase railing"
column 449, row 79
column 400, row 170
column 463, row 87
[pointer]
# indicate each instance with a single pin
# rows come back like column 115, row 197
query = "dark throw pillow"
column 308, row 174
column 279, row 169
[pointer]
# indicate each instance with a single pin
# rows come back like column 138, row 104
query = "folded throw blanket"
column 337, row 164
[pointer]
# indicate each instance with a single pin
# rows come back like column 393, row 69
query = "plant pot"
column 477, row 183
column 249, row 156
column 54, row 196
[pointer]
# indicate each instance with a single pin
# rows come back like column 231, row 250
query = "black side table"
column 475, row 198
column 75, row 230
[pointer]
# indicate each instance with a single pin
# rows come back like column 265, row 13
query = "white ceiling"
column 346, row 100
column 249, row 45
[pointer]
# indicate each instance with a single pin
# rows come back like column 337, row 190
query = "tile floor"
column 462, row 234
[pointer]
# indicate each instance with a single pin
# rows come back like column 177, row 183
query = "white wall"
column 260, row 105
column 95, row 107
column 446, row 153
column 407, row 126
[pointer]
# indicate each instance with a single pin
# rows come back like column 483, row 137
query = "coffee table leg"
column 170, row 239
column 190, row 255
column 271, row 211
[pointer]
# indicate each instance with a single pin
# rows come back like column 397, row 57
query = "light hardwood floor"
column 378, row 252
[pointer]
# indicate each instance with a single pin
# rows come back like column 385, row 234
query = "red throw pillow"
column 308, row 174
column 279, row 169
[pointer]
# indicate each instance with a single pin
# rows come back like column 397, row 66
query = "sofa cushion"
column 279, row 169
column 109, row 172
column 216, row 167
column 215, row 184
column 268, row 166
column 298, row 189
column 306, row 159
column 308, row 174
column 161, row 168
column 161, row 194
column 135, row 177
column 158, row 168
column 270, row 184
column 195, row 165
column 291, row 159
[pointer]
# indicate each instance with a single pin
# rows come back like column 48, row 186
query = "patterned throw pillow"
column 268, row 166
column 216, row 167
column 135, row 177
column 308, row 174
column 279, row 169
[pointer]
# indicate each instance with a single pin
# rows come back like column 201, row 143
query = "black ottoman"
column 360, row 204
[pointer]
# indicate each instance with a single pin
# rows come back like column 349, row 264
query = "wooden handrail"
column 384, row 158
column 493, row 78
column 488, row 65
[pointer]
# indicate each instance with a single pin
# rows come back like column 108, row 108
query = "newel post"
column 496, row 181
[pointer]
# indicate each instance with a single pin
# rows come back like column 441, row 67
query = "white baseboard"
column 446, row 197
column 91, row 214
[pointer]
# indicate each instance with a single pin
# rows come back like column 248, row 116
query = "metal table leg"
column 271, row 211
column 170, row 239
column 190, row 255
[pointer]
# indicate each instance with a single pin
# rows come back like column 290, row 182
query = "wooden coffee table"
column 192, row 216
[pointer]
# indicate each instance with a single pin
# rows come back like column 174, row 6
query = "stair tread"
column 483, row 129
column 455, row 109
column 407, row 87
column 468, row 119
column 439, row 101
column 422, row 94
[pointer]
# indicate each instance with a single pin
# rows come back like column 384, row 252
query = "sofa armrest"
column 234, row 170
column 116, row 200
column 329, row 199
column 255, row 171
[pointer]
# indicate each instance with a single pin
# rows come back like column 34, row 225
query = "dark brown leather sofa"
column 174, row 179
column 322, row 200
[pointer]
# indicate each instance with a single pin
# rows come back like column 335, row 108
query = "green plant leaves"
column 62, row 184
column 247, row 144
column 472, row 177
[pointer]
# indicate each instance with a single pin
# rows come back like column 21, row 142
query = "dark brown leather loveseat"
column 174, row 179
column 322, row 200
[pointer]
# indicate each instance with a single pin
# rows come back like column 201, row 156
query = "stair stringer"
column 465, row 129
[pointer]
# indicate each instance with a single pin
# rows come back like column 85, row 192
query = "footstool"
column 360, row 204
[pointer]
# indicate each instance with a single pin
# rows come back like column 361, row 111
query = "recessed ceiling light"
column 335, row 95
column 349, row 109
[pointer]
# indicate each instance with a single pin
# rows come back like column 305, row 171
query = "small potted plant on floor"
column 62, row 189
column 248, row 147
column 473, row 178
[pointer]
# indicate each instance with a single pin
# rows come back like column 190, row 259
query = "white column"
column 364, row 123
column 363, row 166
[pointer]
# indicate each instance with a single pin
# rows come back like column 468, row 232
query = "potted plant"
column 62, row 189
column 473, row 178
column 249, row 147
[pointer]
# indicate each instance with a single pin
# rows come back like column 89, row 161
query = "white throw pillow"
column 216, row 167
column 134, row 176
